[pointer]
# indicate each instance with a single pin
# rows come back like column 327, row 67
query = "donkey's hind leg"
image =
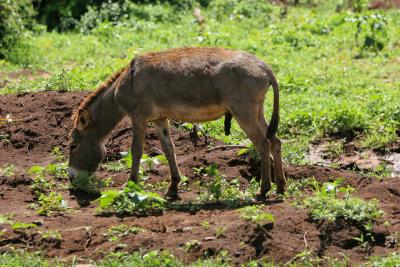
column 247, row 117
column 169, row 150
column 278, row 174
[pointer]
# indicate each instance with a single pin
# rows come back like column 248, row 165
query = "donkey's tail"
column 273, row 125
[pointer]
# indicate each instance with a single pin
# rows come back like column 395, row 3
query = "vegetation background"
column 337, row 61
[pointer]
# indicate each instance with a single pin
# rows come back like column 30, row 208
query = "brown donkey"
column 186, row 84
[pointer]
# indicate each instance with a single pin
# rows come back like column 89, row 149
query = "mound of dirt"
column 38, row 122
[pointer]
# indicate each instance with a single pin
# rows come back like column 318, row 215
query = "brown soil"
column 41, row 121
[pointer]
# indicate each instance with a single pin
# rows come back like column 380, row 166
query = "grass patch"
column 326, row 205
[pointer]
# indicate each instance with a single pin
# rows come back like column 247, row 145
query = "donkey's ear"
column 83, row 119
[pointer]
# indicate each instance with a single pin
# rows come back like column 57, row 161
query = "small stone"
column 390, row 242
column 209, row 238
column 237, row 253
column 187, row 229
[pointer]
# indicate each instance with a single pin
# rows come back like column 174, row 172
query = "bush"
column 15, row 17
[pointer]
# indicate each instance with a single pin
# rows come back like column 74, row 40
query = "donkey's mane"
column 89, row 99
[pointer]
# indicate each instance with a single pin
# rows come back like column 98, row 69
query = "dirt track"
column 41, row 121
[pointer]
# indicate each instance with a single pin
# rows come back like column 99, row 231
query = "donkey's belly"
column 193, row 114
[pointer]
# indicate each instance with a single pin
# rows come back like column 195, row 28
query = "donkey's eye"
column 73, row 146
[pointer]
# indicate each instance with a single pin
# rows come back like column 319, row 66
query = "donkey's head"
column 86, row 150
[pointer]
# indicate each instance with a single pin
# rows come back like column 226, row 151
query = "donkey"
column 186, row 84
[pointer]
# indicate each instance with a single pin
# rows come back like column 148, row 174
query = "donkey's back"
column 195, row 84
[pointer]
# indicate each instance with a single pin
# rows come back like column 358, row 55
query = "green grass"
column 331, row 202
column 164, row 259
column 331, row 83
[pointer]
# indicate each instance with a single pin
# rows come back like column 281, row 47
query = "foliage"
column 51, row 235
column 89, row 183
column 192, row 246
column 51, row 204
column 25, row 259
column 116, row 232
column 221, row 190
column 15, row 17
column 239, row 9
column 388, row 261
column 7, row 170
column 372, row 29
column 41, row 186
column 325, row 205
column 17, row 226
column 130, row 200
column 256, row 215
column 6, row 218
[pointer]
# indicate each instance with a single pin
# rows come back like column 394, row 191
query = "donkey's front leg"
column 139, row 131
column 168, row 148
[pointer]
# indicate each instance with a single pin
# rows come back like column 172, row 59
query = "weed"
column 52, row 204
column 113, row 166
column 392, row 259
column 51, row 235
column 205, row 224
column 116, row 232
column 41, row 186
column 220, row 232
column 6, row 218
column 19, row 226
column 256, row 215
column 7, row 170
column 89, row 183
column 130, row 200
column 325, row 205
column 192, row 246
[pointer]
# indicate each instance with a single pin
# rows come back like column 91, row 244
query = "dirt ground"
column 41, row 121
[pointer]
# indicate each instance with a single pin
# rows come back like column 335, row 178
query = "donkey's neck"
column 106, row 114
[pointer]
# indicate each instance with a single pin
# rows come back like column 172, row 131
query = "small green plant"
column 7, row 170
column 220, row 232
column 52, row 204
column 6, row 218
column 256, row 215
column 20, row 226
column 219, row 189
column 130, row 200
column 116, row 232
column 113, row 166
column 52, row 235
column 326, row 205
column 58, row 170
column 205, row 224
column 192, row 246
column 41, row 186
column 150, row 162
column 89, row 183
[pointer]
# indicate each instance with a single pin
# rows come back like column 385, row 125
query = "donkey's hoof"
column 281, row 191
column 261, row 197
